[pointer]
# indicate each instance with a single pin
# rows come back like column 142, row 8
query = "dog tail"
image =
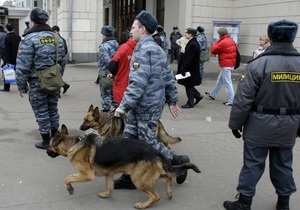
column 180, row 169
column 164, row 137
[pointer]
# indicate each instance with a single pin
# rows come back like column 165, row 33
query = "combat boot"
column 283, row 203
column 53, row 131
column 179, row 160
column 124, row 182
column 45, row 143
column 243, row 203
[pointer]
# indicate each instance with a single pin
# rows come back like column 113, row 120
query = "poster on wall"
column 233, row 28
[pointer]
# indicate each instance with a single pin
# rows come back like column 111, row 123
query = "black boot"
column 124, row 182
column 243, row 203
column 283, row 203
column 178, row 160
column 45, row 143
column 53, row 131
column 65, row 87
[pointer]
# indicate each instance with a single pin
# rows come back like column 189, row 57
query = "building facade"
column 81, row 20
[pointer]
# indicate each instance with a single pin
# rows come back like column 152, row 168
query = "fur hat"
column 160, row 28
column 282, row 30
column 175, row 28
column 39, row 15
column 191, row 31
column 108, row 30
column 200, row 29
column 148, row 20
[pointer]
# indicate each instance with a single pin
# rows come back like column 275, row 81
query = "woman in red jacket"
column 226, row 50
column 119, row 68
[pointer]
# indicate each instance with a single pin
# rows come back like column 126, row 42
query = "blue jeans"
column 224, row 78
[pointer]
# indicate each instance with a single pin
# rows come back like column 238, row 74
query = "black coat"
column 191, row 63
column 11, row 41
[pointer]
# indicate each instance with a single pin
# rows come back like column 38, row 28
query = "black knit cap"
column 191, row 31
column 282, row 31
column 39, row 15
column 148, row 20
column 108, row 30
column 200, row 29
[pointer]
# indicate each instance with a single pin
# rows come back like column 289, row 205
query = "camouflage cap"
column 39, row 15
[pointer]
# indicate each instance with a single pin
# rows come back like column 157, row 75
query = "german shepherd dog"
column 109, row 126
column 94, row 156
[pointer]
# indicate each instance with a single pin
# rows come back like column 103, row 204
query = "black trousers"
column 192, row 93
column 280, row 164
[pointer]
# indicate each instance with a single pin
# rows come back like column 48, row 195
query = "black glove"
column 237, row 133
column 183, row 73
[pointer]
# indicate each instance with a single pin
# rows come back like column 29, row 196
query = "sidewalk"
column 30, row 180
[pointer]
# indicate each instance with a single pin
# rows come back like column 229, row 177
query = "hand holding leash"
column 119, row 112
column 237, row 133
column 175, row 111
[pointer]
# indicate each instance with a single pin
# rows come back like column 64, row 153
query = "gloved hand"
column 237, row 133
column 183, row 73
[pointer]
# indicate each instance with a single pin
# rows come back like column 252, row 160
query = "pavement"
column 29, row 179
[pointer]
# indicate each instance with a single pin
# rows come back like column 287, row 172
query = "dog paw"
column 170, row 196
column 104, row 195
column 70, row 190
column 138, row 205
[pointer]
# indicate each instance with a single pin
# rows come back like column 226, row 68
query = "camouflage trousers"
column 201, row 68
column 145, row 130
column 106, row 98
column 44, row 106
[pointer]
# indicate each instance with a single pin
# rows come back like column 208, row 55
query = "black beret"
column 39, row 15
column 108, row 31
column 148, row 20
column 282, row 31
column 160, row 28
column 200, row 29
column 191, row 31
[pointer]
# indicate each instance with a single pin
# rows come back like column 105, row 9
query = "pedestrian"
column 202, row 40
column 226, row 50
column 182, row 42
column 119, row 68
column 151, row 85
column 266, row 110
column 164, row 42
column 63, row 64
column 2, row 44
column 107, row 49
column 175, row 48
column 190, row 63
column 11, row 42
column 157, row 38
column 27, row 27
column 38, row 50
column 263, row 44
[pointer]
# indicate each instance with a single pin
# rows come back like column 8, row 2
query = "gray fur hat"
column 148, row 20
column 282, row 31
column 39, row 15
column 108, row 30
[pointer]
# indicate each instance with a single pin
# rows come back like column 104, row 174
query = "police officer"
column 107, row 49
column 202, row 40
column 267, row 107
column 38, row 50
column 164, row 42
column 151, row 84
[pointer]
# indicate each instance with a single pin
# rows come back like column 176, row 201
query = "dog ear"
column 64, row 129
column 91, row 108
column 96, row 114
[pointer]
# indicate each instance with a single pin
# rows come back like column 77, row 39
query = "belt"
column 280, row 111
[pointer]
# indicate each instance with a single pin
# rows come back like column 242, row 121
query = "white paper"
column 179, row 76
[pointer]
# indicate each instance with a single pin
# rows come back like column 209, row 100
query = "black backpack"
column 238, row 59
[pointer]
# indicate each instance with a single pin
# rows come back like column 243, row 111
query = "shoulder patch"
column 285, row 77
column 47, row 40
column 136, row 64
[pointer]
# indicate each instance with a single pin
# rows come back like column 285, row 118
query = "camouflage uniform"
column 151, row 84
column 38, row 50
column 202, row 40
column 107, row 49
column 164, row 42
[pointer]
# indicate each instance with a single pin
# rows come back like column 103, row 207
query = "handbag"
column 9, row 74
column 204, row 56
column 237, row 58
column 50, row 78
column 105, row 82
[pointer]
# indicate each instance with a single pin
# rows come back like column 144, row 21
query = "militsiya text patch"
column 285, row 77
column 47, row 40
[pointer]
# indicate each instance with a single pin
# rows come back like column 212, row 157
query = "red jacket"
column 119, row 67
column 226, row 50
